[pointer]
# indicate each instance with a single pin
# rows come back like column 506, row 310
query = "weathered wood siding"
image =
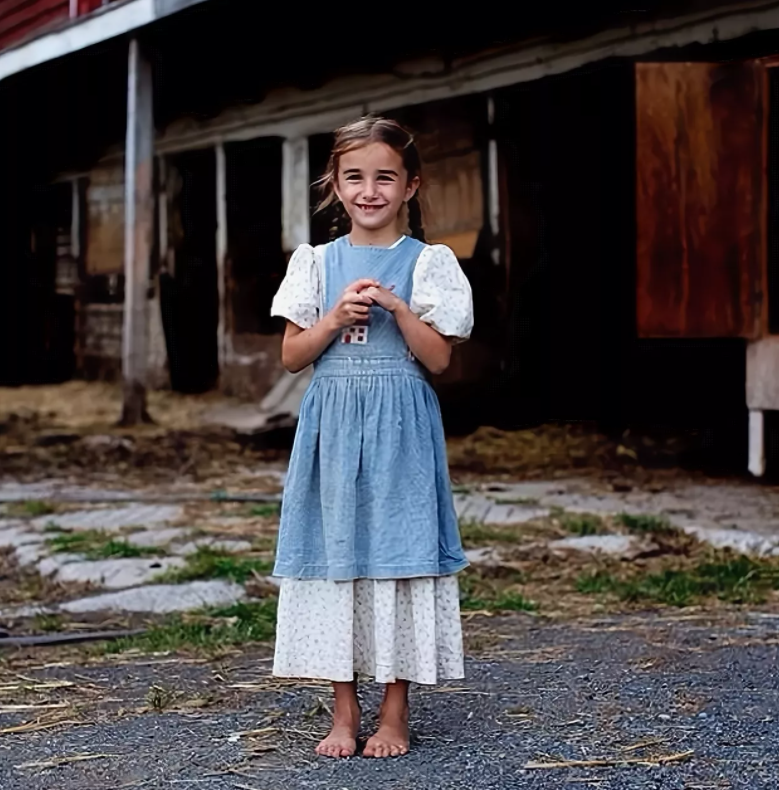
column 700, row 204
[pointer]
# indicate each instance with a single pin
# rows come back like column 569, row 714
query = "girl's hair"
column 367, row 130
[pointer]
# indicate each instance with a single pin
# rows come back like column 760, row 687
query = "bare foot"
column 342, row 740
column 392, row 738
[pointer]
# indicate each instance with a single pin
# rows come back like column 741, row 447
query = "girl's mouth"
column 370, row 208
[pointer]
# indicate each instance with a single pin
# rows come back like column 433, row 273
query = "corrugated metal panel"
column 20, row 18
column 700, row 205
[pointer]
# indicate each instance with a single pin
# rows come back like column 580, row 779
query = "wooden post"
column 493, row 184
column 296, row 219
column 221, row 254
column 756, row 443
column 138, row 233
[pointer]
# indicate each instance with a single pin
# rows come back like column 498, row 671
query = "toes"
column 394, row 751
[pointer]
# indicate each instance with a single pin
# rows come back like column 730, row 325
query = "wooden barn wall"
column 700, row 202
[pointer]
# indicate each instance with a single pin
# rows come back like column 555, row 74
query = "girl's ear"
column 412, row 187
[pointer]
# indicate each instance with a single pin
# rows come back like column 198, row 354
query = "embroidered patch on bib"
column 355, row 334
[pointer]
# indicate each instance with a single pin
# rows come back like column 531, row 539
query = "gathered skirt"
column 367, row 494
column 386, row 629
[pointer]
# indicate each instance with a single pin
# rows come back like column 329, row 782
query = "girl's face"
column 373, row 185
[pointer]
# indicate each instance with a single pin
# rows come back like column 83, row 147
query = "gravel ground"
column 538, row 692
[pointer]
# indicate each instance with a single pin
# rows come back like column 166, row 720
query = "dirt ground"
column 667, row 702
column 71, row 430
column 583, row 690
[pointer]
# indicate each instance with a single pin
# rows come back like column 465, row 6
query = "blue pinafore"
column 368, row 492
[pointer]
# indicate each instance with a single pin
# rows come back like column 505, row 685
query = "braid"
column 415, row 219
column 341, row 224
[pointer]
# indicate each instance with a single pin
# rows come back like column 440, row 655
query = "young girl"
column 369, row 544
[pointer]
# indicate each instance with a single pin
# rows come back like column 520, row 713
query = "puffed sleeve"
column 297, row 299
column 441, row 295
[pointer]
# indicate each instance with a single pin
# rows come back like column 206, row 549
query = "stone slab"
column 114, row 519
column 113, row 574
column 161, row 598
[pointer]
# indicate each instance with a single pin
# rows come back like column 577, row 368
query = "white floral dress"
column 405, row 629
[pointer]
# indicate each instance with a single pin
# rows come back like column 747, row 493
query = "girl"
column 369, row 542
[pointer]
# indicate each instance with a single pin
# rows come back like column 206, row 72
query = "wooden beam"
column 296, row 217
column 756, row 443
column 297, row 112
column 138, row 233
column 221, row 253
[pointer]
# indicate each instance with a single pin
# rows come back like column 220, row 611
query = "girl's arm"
column 301, row 347
column 430, row 347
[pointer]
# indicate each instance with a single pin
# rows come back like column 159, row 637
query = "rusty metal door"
column 700, row 199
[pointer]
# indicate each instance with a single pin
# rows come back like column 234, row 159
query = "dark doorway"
column 191, row 296
column 256, row 258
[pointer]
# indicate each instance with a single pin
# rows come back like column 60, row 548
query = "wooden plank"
column 296, row 214
column 139, row 229
column 700, row 200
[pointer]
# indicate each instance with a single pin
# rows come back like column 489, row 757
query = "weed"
column 583, row 524
column 47, row 623
column 158, row 698
column 474, row 533
column 736, row 580
column 508, row 601
column 97, row 545
column 264, row 543
column 209, row 563
column 209, row 629
column 596, row 583
column 270, row 510
column 647, row 524
column 34, row 508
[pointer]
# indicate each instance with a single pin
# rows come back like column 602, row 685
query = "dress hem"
column 371, row 676
column 355, row 572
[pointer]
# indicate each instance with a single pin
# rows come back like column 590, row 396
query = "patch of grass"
column 264, row 543
column 269, row 510
column 735, row 580
column 596, row 583
column 647, row 524
column 474, row 534
column 499, row 594
column 208, row 563
column 508, row 601
column 34, row 508
column 97, row 545
column 209, row 630
column 48, row 623
column 461, row 490
column 583, row 524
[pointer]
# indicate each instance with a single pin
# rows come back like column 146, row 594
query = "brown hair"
column 367, row 130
